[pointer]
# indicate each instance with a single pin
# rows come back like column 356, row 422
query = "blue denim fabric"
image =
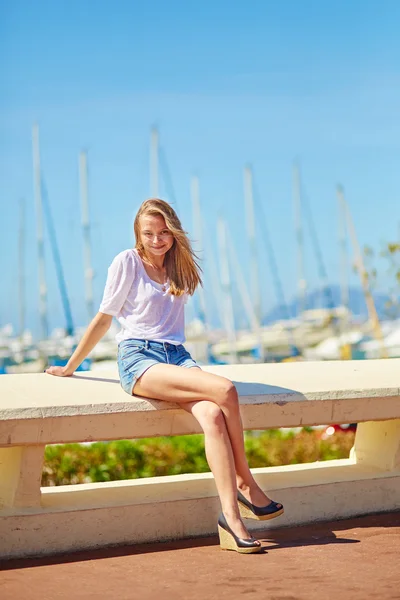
column 136, row 356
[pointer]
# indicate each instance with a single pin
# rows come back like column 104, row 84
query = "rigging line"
column 215, row 291
column 274, row 270
column 57, row 261
column 242, row 287
column 271, row 255
column 323, row 274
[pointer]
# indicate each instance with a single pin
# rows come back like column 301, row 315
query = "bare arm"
column 93, row 334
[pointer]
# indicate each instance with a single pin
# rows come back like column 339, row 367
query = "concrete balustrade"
column 37, row 409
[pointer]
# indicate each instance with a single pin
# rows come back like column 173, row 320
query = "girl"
column 146, row 290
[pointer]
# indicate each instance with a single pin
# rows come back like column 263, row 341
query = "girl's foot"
column 250, row 505
column 236, row 525
column 255, row 495
column 230, row 541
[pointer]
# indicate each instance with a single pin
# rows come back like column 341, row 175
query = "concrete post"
column 377, row 444
column 20, row 476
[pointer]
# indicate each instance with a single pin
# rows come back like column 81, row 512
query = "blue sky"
column 227, row 83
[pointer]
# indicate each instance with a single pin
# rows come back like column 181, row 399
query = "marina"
column 326, row 329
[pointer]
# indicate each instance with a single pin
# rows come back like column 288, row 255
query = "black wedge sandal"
column 229, row 541
column 260, row 513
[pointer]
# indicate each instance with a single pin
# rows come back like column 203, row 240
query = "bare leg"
column 177, row 384
column 220, row 459
column 244, row 477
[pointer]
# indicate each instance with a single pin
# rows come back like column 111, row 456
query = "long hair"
column 180, row 261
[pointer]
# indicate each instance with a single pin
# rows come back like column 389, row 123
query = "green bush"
column 151, row 457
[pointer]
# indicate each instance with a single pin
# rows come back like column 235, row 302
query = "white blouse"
column 139, row 304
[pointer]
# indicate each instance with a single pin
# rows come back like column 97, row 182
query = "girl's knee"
column 227, row 395
column 210, row 415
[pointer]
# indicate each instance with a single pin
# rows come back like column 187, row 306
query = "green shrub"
column 151, row 457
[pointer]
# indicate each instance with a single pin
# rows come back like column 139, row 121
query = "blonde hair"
column 180, row 261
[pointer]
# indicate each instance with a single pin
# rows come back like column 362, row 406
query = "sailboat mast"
column 21, row 267
column 373, row 315
column 344, row 263
column 215, row 278
column 243, row 290
column 229, row 321
column 198, row 235
column 154, row 160
column 87, row 252
column 251, row 231
column 302, row 286
column 39, row 233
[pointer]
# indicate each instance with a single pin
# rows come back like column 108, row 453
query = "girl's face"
column 155, row 235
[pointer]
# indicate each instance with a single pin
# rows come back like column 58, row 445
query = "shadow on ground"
column 319, row 534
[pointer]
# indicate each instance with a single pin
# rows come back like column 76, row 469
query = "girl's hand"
column 58, row 371
column 95, row 331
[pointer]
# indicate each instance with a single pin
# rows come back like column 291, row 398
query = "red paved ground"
column 356, row 559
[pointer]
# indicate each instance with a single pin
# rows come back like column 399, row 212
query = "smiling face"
column 155, row 236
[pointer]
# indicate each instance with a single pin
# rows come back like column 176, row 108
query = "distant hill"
column 320, row 299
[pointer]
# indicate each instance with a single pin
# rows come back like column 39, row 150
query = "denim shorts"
column 136, row 356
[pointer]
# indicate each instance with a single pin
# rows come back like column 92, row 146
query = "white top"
column 139, row 304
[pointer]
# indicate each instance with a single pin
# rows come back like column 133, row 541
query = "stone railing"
column 37, row 409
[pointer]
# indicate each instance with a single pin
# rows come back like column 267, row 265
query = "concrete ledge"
column 38, row 409
column 184, row 506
